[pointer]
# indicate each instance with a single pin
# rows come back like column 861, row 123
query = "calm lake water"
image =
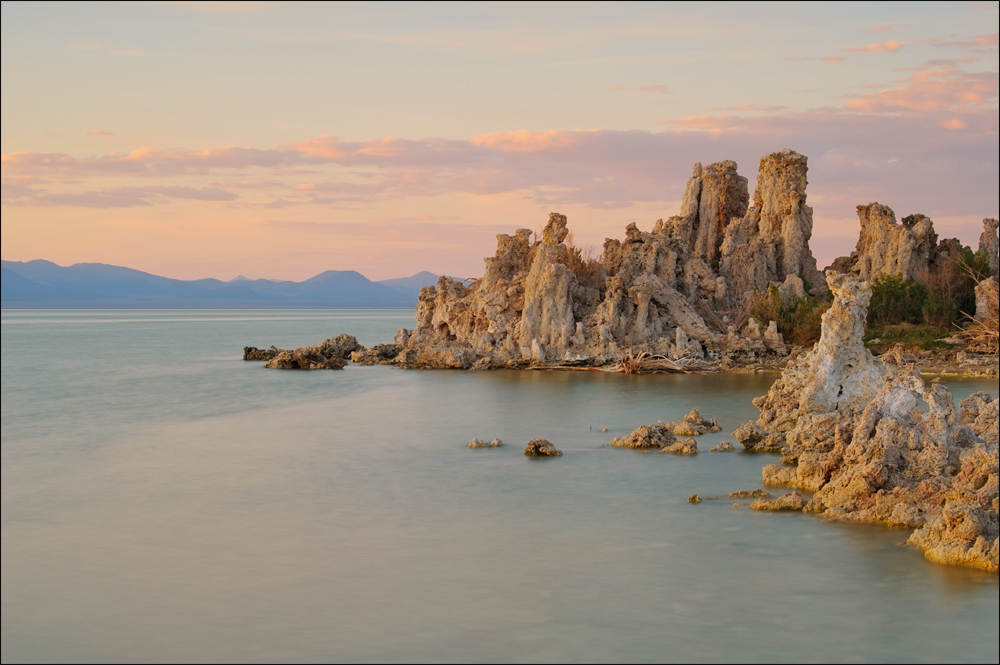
column 164, row 500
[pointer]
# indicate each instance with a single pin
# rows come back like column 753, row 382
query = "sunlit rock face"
column 851, row 431
column 539, row 301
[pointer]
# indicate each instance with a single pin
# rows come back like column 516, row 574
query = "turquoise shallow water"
column 163, row 500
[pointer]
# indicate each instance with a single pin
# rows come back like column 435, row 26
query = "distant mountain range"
column 43, row 284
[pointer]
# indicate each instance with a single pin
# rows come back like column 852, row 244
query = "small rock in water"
column 749, row 494
column 724, row 447
column 694, row 498
column 479, row 443
column 605, row 429
column 541, row 448
column 686, row 447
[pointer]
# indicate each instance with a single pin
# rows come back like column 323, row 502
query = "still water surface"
column 164, row 500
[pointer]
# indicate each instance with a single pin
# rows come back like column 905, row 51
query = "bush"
column 895, row 300
column 973, row 268
column 939, row 312
column 799, row 320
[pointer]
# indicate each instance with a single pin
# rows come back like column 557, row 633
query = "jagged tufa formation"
column 649, row 292
column 851, row 431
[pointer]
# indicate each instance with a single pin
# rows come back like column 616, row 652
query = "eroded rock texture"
column 990, row 245
column 909, row 248
column 539, row 303
column 851, row 431
column 332, row 353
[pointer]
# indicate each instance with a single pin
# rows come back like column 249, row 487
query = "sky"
column 279, row 140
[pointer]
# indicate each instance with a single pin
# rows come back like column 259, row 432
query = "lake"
column 163, row 500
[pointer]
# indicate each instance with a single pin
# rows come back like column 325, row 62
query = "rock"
column 987, row 297
column 724, row 447
column 694, row 498
column 380, row 354
column 692, row 425
column 771, row 241
column 479, row 443
column 856, row 437
column 308, row 357
column 541, row 448
column 646, row 436
column 539, row 302
column 341, row 346
column 253, row 353
column 990, row 245
column 790, row 501
column 750, row 494
column 685, row 447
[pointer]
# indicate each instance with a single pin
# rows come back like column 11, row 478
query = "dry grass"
column 982, row 334
column 585, row 261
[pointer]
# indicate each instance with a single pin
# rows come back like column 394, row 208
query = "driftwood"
column 643, row 364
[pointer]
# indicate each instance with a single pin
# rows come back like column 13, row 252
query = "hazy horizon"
column 279, row 141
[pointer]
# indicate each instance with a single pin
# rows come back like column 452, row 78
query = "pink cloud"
column 99, row 132
column 931, row 90
column 525, row 140
column 617, row 88
column 890, row 46
column 881, row 28
column 662, row 89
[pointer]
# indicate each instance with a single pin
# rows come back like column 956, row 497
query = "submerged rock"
column 851, row 426
column 750, row 494
column 790, row 501
column 541, row 448
column 694, row 498
column 479, row 443
column 723, row 447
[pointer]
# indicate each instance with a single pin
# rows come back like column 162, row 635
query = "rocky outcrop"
column 724, row 447
column 790, row 501
column 541, row 448
column 771, row 242
column 646, row 436
column 539, row 302
column 307, row 357
column 989, row 245
column 380, row 354
column 253, row 353
column 852, row 432
column 686, row 447
column 909, row 248
column 750, row 494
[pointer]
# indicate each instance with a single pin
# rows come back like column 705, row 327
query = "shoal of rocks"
column 332, row 353
column 686, row 447
column 541, row 448
column 479, row 443
column 850, row 426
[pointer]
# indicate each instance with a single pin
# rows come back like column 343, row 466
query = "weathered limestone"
column 686, row 447
column 790, row 501
column 750, row 494
column 479, row 443
column 541, row 448
column 692, row 425
column 380, row 354
column 771, row 241
column 989, row 244
column 646, row 436
column 307, row 357
column 724, row 447
column 910, row 248
column 987, row 297
column 648, row 293
column 253, row 353
column 853, row 433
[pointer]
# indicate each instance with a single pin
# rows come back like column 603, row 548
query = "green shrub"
column 895, row 300
column 939, row 312
column 799, row 320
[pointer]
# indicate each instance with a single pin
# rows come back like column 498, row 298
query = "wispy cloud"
column 99, row 132
column 881, row 28
column 890, row 46
column 662, row 89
